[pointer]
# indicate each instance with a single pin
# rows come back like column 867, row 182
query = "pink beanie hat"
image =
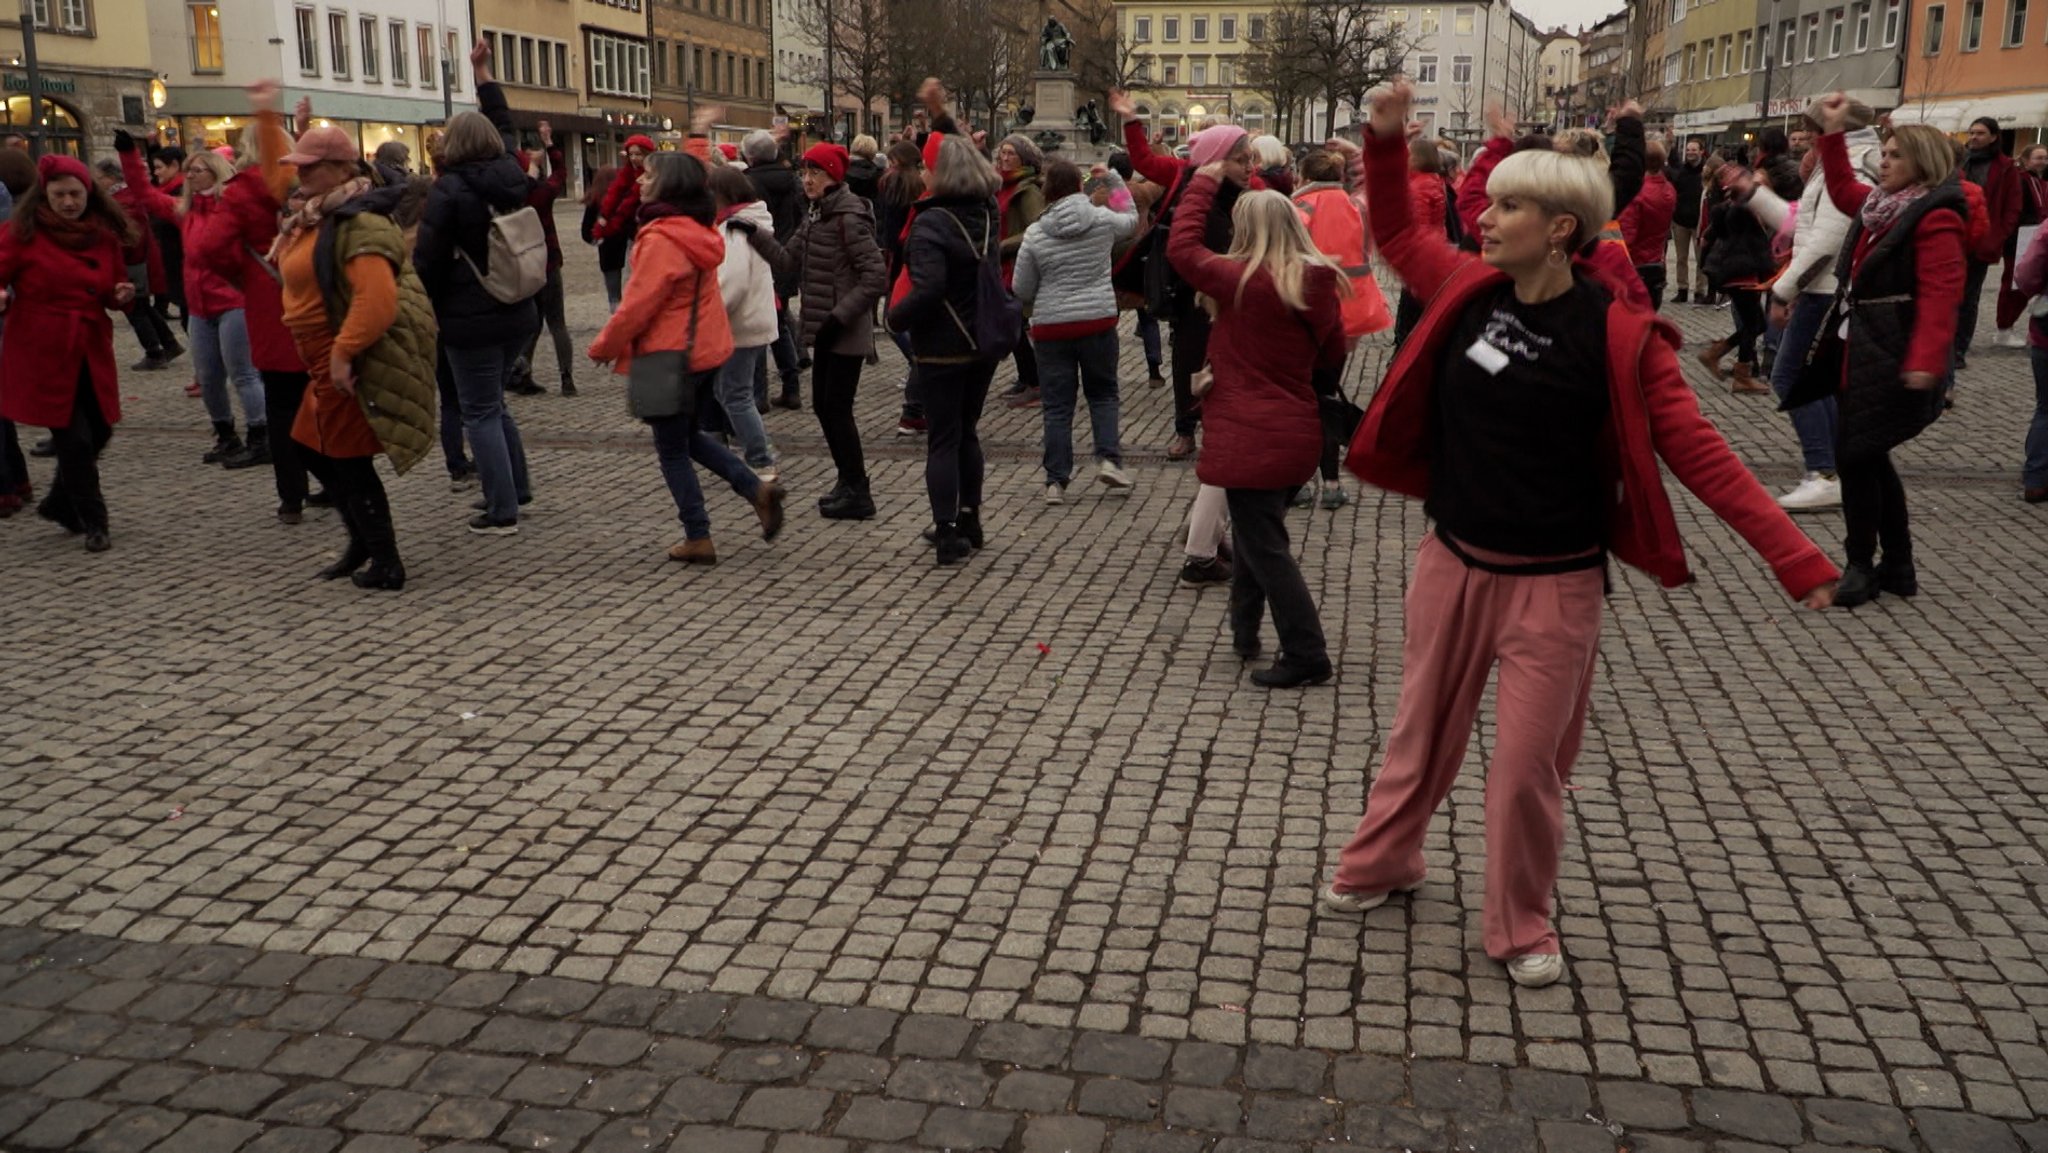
column 1213, row 143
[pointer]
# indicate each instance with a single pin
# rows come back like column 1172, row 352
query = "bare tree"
column 986, row 49
column 1275, row 67
column 858, row 46
column 1336, row 49
column 1104, row 58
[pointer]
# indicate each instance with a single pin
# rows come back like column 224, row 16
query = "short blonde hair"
column 1929, row 150
column 1271, row 153
column 962, row 170
column 864, row 145
column 470, row 136
column 1563, row 183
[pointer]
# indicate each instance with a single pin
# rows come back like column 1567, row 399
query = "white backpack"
column 517, row 259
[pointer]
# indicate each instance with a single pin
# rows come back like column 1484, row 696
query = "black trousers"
column 360, row 499
column 150, row 326
column 555, row 320
column 835, row 379
column 1974, row 273
column 75, row 495
column 13, row 466
column 954, row 395
column 1652, row 276
column 283, row 392
column 1874, row 510
column 1747, row 305
column 1263, row 573
column 1027, row 365
column 1189, row 342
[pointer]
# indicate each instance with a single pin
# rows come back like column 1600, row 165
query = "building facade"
column 1561, row 62
column 1806, row 49
column 1718, row 45
column 1606, row 77
column 714, row 52
column 90, row 57
column 539, row 61
column 1971, row 58
column 382, row 69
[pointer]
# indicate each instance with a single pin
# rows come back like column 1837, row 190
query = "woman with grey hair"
column 1019, row 202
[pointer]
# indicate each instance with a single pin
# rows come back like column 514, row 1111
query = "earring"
column 1557, row 256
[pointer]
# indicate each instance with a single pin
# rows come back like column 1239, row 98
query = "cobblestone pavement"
column 595, row 791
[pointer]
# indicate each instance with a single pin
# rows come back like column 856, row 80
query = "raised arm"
column 149, row 196
column 1844, row 190
column 1625, row 163
column 1422, row 259
column 1164, row 171
column 1472, row 198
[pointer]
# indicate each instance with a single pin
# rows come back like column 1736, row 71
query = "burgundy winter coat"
column 1262, row 427
column 57, row 327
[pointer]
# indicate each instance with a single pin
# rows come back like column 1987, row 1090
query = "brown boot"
column 694, row 552
column 1711, row 357
column 768, row 506
column 1746, row 382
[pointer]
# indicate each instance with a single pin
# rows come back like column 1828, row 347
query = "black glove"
column 123, row 142
column 828, row 334
column 746, row 227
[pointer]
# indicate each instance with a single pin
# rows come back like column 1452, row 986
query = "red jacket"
column 1472, row 197
column 542, row 200
column 1646, row 222
column 1263, row 429
column 1938, row 271
column 57, row 326
column 1652, row 412
column 2003, row 198
column 620, row 208
column 211, row 227
column 1426, row 192
column 145, row 251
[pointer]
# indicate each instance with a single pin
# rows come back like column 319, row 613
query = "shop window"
column 204, row 21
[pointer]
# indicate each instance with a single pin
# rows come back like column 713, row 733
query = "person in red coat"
column 1529, row 410
column 1646, row 224
column 1986, row 165
column 60, row 271
column 1277, row 323
column 146, row 271
column 618, row 213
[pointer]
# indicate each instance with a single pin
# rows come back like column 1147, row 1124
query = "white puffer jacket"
column 1818, row 234
column 745, row 280
column 1063, row 267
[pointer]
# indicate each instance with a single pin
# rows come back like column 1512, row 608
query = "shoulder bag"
column 660, row 385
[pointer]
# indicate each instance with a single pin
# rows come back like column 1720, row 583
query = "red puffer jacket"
column 1262, row 428
column 1652, row 412
column 211, row 228
column 1426, row 190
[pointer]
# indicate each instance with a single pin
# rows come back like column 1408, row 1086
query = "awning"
column 2013, row 110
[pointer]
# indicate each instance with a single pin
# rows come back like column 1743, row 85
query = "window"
column 528, row 74
column 1791, row 41
column 1744, row 52
column 1461, row 70
column 453, row 47
column 74, row 15
column 337, row 44
column 1198, row 73
column 1431, row 21
column 426, row 59
column 1835, row 33
column 1890, row 36
column 561, row 65
column 1937, row 18
column 398, row 69
column 366, row 32
column 1461, row 24
column 1255, row 28
column 1172, row 75
column 2015, row 22
column 1171, row 26
column 206, row 47
column 1225, row 75
column 618, row 66
column 1226, row 28
column 1973, row 25
column 1198, row 29
column 1727, row 55
column 1862, row 27
column 1425, row 70
column 309, row 41
column 1692, row 63
column 697, row 67
column 1141, row 29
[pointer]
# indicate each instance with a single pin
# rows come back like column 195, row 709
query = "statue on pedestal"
column 1055, row 47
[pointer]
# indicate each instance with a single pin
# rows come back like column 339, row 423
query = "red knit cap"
column 642, row 141
column 53, row 166
column 931, row 149
column 828, row 158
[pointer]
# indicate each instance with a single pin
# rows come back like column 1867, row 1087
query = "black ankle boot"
column 1897, row 578
column 857, row 505
column 255, row 451
column 373, row 512
column 1859, row 586
column 836, row 497
column 1288, row 673
column 952, row 547
column 225, row 443
column 970, row 527
column 356, row 555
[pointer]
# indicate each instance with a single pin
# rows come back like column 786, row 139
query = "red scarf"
column 78, row 235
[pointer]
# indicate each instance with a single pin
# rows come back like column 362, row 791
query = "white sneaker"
column 768, row 474
column 1815, row 492
column 1335, row 904
column 1535, row 970
column 1108, row 473
column 1055, row 494
column 2010, row 338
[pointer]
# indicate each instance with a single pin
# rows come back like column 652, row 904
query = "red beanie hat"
column 729, row 151
column 642, row 141
column 829, row 158
column 931, row 148
column 54, row 166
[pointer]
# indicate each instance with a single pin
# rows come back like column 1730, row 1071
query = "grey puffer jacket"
column 1063, row 268
column 840, row 270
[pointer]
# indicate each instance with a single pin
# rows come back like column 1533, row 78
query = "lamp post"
column 35, row 78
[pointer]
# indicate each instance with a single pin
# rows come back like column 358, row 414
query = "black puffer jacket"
column 458, row 218
column 943, row 268
column 841, row 271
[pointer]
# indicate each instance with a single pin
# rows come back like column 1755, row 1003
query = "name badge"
column 1487, row 357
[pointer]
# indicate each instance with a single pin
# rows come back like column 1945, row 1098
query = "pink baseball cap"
column 319, row 145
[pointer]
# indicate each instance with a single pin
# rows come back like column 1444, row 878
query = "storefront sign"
column 52, row 85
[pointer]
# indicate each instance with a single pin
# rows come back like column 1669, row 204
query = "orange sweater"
column 373, row 303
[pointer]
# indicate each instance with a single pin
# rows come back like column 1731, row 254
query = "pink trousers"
column 1544, row 632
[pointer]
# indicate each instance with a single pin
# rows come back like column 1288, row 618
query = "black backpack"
column 998, row 318
column 1166, row 294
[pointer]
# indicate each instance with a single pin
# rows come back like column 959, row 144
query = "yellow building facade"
column 93, row 61
column 1190, row 53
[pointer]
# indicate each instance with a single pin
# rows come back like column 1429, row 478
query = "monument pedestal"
column 1054, row 106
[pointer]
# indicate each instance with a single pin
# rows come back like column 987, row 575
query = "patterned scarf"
column 1880, row 208
column 310, row 213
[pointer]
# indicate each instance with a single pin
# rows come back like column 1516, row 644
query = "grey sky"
column 1548, row 14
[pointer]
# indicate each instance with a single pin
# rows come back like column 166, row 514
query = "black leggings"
column 1874, row 510
column 835, row 379
column 75, row 496
column 555, row 320
column 283, row 392
column 1747, row 304
column 1189, row 338
column 953, row 465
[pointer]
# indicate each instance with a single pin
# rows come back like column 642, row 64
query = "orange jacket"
column 674, row 274
column 1336, row 223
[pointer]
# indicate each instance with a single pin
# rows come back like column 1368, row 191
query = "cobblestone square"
column 823, row 848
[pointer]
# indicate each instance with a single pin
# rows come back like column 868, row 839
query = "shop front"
column 79, row 106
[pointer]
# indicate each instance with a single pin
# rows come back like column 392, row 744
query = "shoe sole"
column 495, row 530
column 1541, row 980
column 1326, row 906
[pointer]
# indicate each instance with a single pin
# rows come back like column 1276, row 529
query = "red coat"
column 1262, row 430
column 1646, row 222
column 2003, row 198
column 620, row 208
column 1652, row 412
column 1426, row 192
column 1938, row 245
column 216, row 263
column 152, row 255
column 57, row 327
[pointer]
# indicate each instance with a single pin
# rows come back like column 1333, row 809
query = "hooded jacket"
column 1652, row 411
column 745, row 280
column 863, row 175
column 1336, row 223
column 675, row 266
column 458, row 217
column 1062, row 272
column 942, row 266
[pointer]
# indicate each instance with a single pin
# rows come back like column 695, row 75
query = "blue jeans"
column 913, row 386
column 677, row 443
column 1148, row 334
column 2036, row 473
column 735, row 392
column 450, row 417
column 1815, row 423
column 480, row 375
column 1090, row 363
column 220, row 353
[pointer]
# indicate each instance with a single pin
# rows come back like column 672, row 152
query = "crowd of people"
column 351, row 310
